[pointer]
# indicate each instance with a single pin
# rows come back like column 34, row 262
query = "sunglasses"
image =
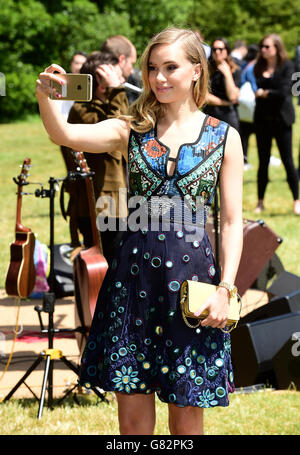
column 215, row 49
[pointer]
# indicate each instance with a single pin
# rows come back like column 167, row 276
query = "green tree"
column 282, row 18
column 78, row 25
column 34, row 33
column 21, row 32
column 247, row 19
column 149, row 17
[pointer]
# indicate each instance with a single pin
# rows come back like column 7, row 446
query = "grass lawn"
column 19, row 141
column 266, row 412
column 260, row 413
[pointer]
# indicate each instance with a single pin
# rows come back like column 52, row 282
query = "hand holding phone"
column 51, row 73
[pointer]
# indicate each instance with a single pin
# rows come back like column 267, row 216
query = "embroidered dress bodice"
column 196, row 168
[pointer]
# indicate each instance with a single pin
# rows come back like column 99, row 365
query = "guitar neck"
column 19, row 226
column 80, row 160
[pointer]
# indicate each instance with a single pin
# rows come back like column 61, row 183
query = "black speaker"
column 284, row 284
column 286, row 363
column 259, row 245
column 275, row 307
column 63, row 270
column 273, row 268
column 255, row 344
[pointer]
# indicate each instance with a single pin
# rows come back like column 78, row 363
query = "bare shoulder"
column 233, row 136
column 233, row 143
column 121, row 127
column 119, row 131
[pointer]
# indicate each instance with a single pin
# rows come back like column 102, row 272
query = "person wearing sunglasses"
column 274, row 114
column 225, row 80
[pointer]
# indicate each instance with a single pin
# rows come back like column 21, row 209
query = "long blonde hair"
column 145, row 111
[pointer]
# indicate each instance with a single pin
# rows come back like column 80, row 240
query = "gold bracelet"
column 230, row 287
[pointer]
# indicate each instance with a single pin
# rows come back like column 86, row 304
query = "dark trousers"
column 246, row 129
column 266, row 130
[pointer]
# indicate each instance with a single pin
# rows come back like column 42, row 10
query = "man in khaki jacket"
column 124, row 50
column 109, row 180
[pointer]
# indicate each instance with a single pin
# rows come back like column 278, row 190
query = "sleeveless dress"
column 138, row 341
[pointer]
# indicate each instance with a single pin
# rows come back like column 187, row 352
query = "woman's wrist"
column 224, row 294
column 229, row 287
column 223, row 291
column 259, row 93
column 225, row 103
column 40, row 94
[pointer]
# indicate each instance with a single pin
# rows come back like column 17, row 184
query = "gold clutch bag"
column 193, row 293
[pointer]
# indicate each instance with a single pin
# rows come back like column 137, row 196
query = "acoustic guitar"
column 89, row 265
column 21, row 275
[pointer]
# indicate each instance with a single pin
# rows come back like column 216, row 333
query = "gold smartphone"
column 78, row 87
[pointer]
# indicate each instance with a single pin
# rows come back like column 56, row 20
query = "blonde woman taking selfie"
column 138, row 343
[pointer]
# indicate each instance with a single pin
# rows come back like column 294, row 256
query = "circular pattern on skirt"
column 139, row 343
column 174, row 286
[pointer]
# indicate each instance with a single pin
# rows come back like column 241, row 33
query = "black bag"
column 63, row 270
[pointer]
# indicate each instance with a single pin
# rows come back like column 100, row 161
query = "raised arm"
column 216, row 101
column 232, row 90
column 103, row 137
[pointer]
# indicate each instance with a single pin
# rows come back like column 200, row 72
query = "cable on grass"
column 13, row 345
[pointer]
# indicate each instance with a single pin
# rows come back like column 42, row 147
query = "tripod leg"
column 70, row 365
column 46, row 373
column 76, row 370
column 67, row 393
column 21, row 381
column 99, row 394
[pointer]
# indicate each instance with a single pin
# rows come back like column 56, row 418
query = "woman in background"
column 274, row 114
column 225, row 80
column 247, row 126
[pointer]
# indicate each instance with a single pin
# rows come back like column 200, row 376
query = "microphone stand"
column 50, row 354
